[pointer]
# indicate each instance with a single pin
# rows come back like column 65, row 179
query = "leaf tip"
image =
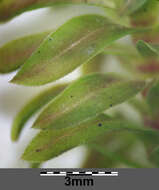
column 35, row 125
column 14, row 132
column 14, row 138
column 15, row 80
column 26, row 155
column 21, row 81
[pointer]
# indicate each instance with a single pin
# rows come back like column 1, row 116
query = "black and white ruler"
column 76, row 173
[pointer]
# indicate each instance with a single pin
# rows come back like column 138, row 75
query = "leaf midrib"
column 74, row 105
column 77, row 43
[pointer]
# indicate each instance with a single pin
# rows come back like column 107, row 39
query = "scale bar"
column 86, row 173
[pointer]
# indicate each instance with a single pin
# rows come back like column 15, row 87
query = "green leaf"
column 153, row 99
column 147, row 49
column 130, row 6
column 15, row 53
column 85, row 98
column 51, row 143
column 12, row 8
column 32, row 107
column 74, row 43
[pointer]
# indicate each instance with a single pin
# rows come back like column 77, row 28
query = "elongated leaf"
column 51, row 143
column 130, row 6
column 15, row 53
column 11, row 8
column 32, row 107
column 153, row 99
column 74, row 43
column 147, row 49
column 85, row 98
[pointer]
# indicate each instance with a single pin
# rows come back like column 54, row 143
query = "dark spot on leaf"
column 99, row 124
column 38, row 51
column 50, row 39
column 38, row 150
column 71, row 96
column 111, row 105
